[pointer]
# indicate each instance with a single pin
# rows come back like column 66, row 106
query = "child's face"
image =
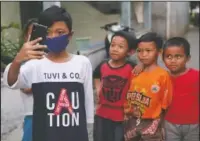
column 175, row 59
column 118, row 48
column 57, row 29
column 147, row 53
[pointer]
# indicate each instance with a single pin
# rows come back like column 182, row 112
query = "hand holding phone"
column 30, row 50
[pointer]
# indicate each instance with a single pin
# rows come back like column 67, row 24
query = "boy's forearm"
column 97, row 84
column 27, row 91
column 13, row 72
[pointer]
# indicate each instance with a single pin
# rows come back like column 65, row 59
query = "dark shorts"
column 146, row 130
column 107, row 130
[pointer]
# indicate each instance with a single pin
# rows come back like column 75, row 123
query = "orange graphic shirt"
column 149, row 93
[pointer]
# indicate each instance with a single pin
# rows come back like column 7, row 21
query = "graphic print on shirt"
column 52, row 76
column 63, row 104
column 138, row 99
column 56, row 115
column 112, row 87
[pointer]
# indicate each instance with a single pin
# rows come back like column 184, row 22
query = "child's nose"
column 173, row 59
column 144, row 53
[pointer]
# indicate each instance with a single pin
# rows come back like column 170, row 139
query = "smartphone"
column 39, row 30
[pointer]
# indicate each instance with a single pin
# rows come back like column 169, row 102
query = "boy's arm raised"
column 28, row 51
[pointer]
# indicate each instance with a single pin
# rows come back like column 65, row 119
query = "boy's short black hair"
column 179, row 42
column 151, row 37
column 27, row 25
column 130, row 38
column 54, row 14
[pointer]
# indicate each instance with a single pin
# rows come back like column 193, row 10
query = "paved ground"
column 11, row 102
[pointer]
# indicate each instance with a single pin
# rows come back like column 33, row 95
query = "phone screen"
column 39, row 30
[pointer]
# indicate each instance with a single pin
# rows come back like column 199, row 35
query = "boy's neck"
column 182, row 72
column 148, row 68
column 116, row 63
column 58, row 58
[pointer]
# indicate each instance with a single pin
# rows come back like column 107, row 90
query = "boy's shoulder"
column 162, row 71
column 193, row 73
column 80, row 59
column 104, row 61
column 32, row 63
column 131, row 63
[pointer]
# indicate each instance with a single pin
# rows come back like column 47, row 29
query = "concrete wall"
column 159, row 17
column 178, row 18
column 10, row 12
column 87, row 21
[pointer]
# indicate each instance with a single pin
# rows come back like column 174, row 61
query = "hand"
column 138, row 69
column 97, row 99
column 30, row 50
column 137, row 112
column 128, row 111
column 126, row 118
column 27, row 91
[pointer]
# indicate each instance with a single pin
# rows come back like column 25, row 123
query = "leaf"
column 14, row 25
column 8, row 47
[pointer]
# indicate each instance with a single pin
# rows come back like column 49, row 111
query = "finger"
column 35, row 53
column 35, row 41
column 134, row 71
column 35, row 57
column 39, row 47
column 29, row 37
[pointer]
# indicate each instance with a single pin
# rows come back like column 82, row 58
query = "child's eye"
column 169, row 57
column 178, row 56
column 111, row 45
column 60, row 32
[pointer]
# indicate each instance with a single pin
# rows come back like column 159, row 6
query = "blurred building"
column 167, row 18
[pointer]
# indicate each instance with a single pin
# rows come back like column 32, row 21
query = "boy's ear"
column 188, row 58
column 71, row 34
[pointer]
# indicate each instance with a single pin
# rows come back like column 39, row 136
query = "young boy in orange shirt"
column 149, row 94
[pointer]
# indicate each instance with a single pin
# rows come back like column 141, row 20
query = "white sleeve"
column 24, row 77
column 88, row 89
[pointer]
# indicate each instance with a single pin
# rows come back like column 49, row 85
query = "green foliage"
column 11, row 25
column 9, row 48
